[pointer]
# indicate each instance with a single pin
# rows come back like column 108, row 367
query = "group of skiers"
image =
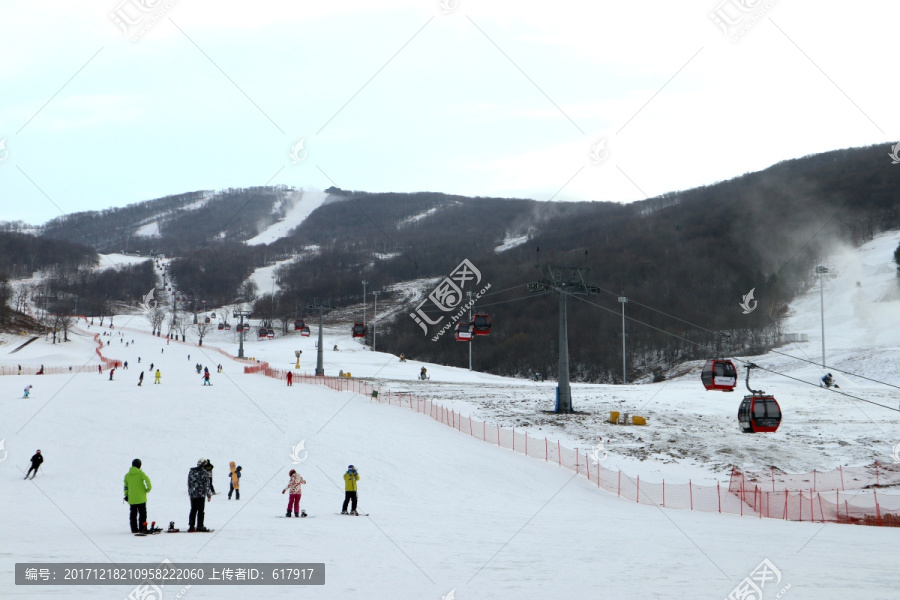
column 201, row 490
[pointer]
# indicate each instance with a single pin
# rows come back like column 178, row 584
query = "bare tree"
column 173, row 323
column 156, row 318
column 65, row 324
column 6, row 293
column 202, row 328
column 22, row 298
column 183, row 323
column 284, row 323
column 54, row 323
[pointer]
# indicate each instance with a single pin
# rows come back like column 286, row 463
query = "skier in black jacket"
column 198, row 490
column 36, row 461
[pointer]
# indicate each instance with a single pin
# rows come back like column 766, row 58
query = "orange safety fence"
column 861, row 506
column 843, row 478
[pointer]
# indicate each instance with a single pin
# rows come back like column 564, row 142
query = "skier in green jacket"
column 137, row 484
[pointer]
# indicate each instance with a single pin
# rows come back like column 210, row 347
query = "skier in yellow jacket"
column 235, row 485
column 350, row 479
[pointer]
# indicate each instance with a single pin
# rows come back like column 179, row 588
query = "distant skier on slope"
column 828, row 381
column 27, row 390
column 36, row 461
column 157, row 377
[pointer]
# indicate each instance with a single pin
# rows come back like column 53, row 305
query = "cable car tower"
column 322, row 307
column 564, row 281
column 241, row 314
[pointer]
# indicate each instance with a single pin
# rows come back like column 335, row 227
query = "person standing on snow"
column 141, row 378
column 27, row 390
column 198, row 490
column 158, row 376
column 294, row 486
column 137, row 484
column 350, row 479
column 36, row 462
column 111, row 371
column 290, row 378
column 234, row 485
column 206, row 378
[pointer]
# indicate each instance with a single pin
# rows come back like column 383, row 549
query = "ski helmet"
column 136, row 463
column 202, row 462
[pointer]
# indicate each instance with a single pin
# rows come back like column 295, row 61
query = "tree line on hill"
column 685, row 260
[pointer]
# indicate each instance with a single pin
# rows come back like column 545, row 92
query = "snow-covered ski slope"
column 303, row 205
column 448, row 512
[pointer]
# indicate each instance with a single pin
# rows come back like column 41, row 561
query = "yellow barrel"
column 613, row 416
column 638, row 420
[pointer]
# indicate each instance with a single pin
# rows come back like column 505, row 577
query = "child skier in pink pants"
column 294, row 498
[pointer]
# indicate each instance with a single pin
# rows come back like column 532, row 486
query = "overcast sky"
column 106, row 103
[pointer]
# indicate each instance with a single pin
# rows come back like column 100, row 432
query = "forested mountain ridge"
column 684, row 259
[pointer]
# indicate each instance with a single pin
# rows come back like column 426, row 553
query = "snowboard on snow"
column 152, row 530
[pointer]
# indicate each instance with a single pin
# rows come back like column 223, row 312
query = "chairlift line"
column 744, row 361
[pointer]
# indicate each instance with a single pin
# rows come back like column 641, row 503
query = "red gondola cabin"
column 481, row 324
column 759, row 414
column 719, row 375
column 299, row 325
column 360, row 330
column 305, row 331
column 464, row 332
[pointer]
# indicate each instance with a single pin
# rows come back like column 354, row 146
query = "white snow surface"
column 117, row 261
column 149, row 230
column 303, row 205
column 262, row 277
column 511, row 242
column 418, row 217
column 448, row 512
